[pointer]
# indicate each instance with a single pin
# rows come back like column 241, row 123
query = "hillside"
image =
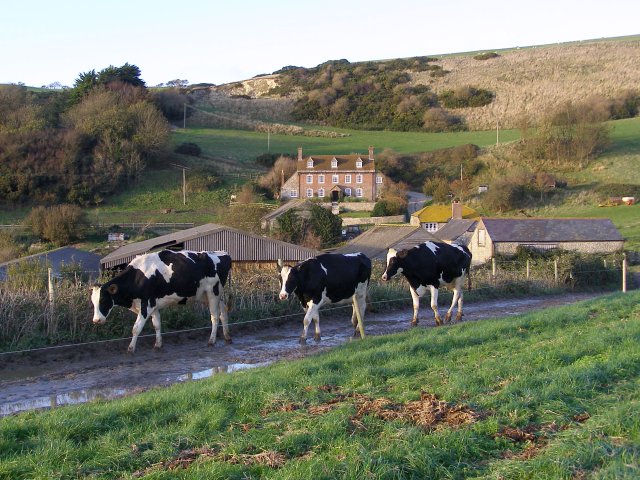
column 527, row 81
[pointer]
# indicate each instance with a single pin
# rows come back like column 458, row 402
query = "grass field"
column 548, row 395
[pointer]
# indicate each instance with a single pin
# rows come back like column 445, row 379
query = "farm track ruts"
column 80, row 373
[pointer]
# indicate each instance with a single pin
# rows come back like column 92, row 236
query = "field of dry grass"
column 532, row 80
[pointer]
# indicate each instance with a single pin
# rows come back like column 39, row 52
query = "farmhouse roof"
column 345, row 163
column 455, row 229
column 242, row 246
column 89, row 262
column 375, row 241
column 551, row 230
column 442, row 213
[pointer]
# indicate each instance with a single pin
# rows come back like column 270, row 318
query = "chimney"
column 456, row 210
column 370, row 152
column 299, row 153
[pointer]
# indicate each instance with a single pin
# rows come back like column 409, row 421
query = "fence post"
column 624, row 273
column 51, row 292
column 528, row 269
column 555, row 270
column 493, row 267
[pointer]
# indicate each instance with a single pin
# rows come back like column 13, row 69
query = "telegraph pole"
column 184, row 116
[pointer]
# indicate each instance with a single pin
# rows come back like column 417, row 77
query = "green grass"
column 245, row 146
column 569, row 376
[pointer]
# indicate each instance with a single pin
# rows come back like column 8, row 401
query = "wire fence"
column 40, row 311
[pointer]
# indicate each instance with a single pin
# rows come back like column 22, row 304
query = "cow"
column 325, row 279
column 155, row 280
column 431, row 265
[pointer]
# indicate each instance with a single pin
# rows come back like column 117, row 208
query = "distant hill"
column 523, row 82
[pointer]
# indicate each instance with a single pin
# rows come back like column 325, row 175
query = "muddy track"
column 77, row 374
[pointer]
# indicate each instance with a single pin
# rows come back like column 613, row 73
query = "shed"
column 502, row 236
column 457, row 231
column 244, row 247
column 89, row 263
column 375, row 242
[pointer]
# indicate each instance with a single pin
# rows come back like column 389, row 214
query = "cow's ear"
column 402, row 253
column 280, row 264
column 112, row 289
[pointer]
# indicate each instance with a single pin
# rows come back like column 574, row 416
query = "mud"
column 77, row 374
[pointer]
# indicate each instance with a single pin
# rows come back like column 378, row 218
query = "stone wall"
column 372, row 220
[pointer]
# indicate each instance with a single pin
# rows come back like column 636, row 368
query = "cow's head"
column 103, row 302
column 288, row 280
column 395, row 261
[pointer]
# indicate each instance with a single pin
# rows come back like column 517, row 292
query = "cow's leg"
column 218, row 310
column 415, row 296
column 155, row 319
column 310, row 314
column 359, row 307
column 434, row 304
column 224, row 316
column 137, row 328
column 457, row 298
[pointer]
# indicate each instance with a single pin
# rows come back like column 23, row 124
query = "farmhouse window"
column 481, row 237
column 320, row 178
column 359, row 178
column 334, row 178
column 347, row 178
column 347, row 192
column 334, row 163
column 321, row 192
column 310, row 163
column 294, row 193
column 309, row 179
column 379, row 179
column 358, row 163
column 358, row 192
column 430, row 226
column 309, row 192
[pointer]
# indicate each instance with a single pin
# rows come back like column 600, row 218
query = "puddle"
column 90, row 394
column 52, row 401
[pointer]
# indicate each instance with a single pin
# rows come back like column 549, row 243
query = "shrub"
column 464, row 97
column 188, row 148
column 485, row 56
column 58, row 224
column 438, row 120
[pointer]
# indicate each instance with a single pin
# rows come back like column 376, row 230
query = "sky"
column 222, row 41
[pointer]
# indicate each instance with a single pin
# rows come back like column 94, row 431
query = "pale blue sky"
column 223, row 41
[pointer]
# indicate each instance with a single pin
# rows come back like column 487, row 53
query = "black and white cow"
column 431, row 265
column 155, row 280
column 328, row 278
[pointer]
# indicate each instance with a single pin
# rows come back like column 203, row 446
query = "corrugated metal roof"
column 375, row 242
column 551, row 230
column 242, row 246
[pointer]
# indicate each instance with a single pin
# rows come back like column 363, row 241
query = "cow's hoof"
column 447, row 318
column 459, row 317
column 414, row 323
column 157, row 347
column 303, row 340
column 317, row 337
column 131, row 351
column 228, row 341
column 211, row 343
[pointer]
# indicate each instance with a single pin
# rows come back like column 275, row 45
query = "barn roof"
column 242, row 246
column 89, row 262
column 375, row 241
column 551, row 230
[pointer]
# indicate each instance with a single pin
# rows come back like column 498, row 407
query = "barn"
column 246, row 249
column 502, row 236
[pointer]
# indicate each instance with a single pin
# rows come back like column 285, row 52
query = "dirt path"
column 83, row 373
